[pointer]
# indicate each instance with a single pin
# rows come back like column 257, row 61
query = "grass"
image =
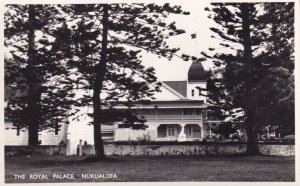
column 147, row 169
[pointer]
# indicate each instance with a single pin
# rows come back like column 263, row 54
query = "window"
column 185, row 111
column 171, row 131
column 198, row 111
column 193, row 92
column 107, row 134
column 188, row 111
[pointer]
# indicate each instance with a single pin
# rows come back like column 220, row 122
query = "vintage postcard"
column 144, row 92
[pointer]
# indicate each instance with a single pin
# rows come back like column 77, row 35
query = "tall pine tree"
column 250, row 78
column 33, row 73
column 108, row 40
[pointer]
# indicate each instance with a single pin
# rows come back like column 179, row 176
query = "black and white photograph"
column 152, row 92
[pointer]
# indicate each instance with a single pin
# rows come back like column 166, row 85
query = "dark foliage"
column 38, row 97
column 254, row 82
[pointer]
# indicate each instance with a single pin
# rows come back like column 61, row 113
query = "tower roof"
column 196, row 72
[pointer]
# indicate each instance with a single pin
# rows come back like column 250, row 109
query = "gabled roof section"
column 178, row 86
column 172, row 91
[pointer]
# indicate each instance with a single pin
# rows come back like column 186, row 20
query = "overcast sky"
column 196, row 22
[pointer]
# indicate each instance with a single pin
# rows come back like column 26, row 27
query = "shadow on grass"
column 50, row 161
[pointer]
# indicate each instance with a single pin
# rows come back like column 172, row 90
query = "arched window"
column 193, row 92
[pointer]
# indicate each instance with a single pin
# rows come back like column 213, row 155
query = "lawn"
column 136, row 169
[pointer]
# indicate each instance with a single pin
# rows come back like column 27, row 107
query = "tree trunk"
column 252, row 137
column 33, row 85
column 33, row 137
column 252, row 120
column 246, row 34
column 274, row 23
column 100, row 75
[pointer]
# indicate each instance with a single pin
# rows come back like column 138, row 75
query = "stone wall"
column 157, row 150
column 188, row 150
column 173, row 150
column 42, row 150
column 278, row 150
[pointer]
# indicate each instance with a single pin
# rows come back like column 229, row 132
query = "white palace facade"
column 177, row 114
